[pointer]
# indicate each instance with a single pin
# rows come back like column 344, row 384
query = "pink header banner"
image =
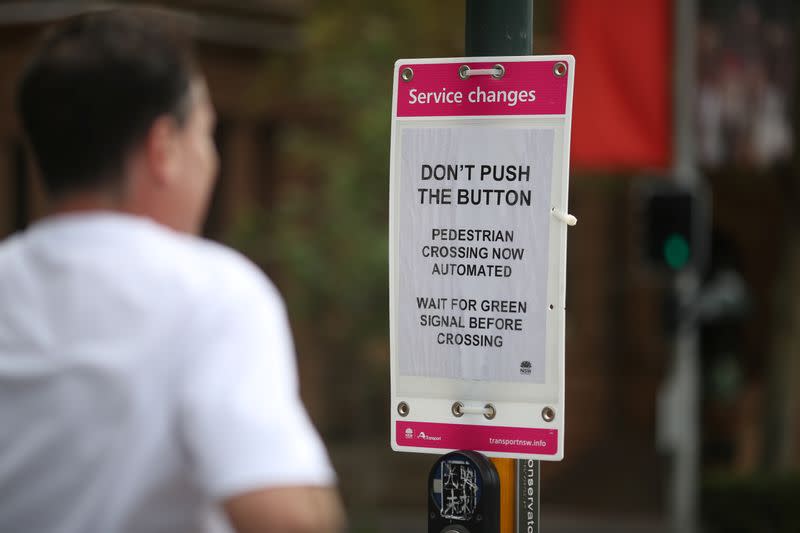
column 479, row 438
column 525, row 88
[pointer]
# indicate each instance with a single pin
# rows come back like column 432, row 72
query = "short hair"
column 94, row 88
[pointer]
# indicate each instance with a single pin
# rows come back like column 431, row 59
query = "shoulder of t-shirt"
column 211, row 273
column 10, row 257
column 9, row 246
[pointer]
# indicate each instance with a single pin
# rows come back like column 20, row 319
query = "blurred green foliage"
column 325, row 238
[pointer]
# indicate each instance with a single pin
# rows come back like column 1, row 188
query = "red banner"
column 623, row 96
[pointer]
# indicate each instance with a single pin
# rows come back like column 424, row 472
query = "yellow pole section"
column 507, row 471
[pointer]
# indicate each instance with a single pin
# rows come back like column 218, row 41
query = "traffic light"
column 675, row 226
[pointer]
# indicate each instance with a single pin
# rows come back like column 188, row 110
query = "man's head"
column 114, row 107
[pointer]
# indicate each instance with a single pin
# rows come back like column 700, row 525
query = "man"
column 147, row 376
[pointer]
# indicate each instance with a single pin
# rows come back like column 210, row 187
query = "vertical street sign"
column 528, row 486
column 478, row 237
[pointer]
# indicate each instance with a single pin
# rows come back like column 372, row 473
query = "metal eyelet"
column 500, row 74
column 403, row 409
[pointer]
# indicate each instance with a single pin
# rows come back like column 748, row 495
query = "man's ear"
column 162, row 150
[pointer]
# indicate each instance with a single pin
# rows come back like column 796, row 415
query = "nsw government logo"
column 525, row 368
column 409, row 433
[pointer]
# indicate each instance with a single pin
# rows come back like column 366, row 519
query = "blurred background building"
column 303, row 93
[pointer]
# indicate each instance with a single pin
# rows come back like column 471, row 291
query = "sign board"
column 478, row 239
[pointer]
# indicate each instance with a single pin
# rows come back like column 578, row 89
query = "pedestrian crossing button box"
column 464, row 494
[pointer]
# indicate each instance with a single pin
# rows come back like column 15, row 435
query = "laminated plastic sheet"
column 479, row 176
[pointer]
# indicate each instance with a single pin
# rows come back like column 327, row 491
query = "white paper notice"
column 474, row 225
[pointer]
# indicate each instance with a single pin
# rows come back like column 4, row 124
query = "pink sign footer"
column 478, row 438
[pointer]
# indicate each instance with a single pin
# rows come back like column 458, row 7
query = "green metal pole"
column 505, row 28
column 499, row 28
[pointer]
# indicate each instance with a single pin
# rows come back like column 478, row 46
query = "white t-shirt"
column 145, row 375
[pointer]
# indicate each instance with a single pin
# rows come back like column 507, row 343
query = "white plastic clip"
column 483, row 72
column 459, row 409
column 566, row 218
column 497, row 72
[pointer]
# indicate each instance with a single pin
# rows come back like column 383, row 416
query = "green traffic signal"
column 676, row 251
column 674, row 226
